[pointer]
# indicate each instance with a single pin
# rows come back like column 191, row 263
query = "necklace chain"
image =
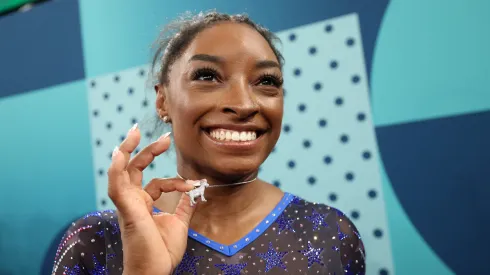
column 223, row 185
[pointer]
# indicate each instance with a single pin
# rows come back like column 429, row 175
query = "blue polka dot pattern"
column 372, row 194
column 317, row 86
column 327, row 151
column 354, row 214
column 312, row 50
column 327, row 159
column 116, row 102
column 344, row 138
column 356, row 79
column 350, row 42
column 361, row 116
column 349, row 176
column 366, row 155
column 301, row 107
column 322, row 122
column 339, row 101
column 330, row 135
column 306, row 144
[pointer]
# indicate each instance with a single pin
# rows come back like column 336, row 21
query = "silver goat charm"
column 198, row 192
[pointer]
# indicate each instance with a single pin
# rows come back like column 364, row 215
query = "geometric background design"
column 424, row 64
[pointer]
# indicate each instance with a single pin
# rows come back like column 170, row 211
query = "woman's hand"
column 152, row 243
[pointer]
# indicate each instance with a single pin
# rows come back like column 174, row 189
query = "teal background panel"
column 411, row 253
column 431, row 60
column 46, row 178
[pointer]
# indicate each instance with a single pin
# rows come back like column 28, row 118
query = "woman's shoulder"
column 88, row 243
column 93, row 227
column 332, row 226
column 301, row 203
column 97, row 219
column 323, row 216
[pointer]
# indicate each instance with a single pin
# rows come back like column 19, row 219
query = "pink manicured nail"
column 135, row 126
column 164, row 136
column 115, row 152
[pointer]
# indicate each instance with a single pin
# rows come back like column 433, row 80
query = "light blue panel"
column 411, row 253
column 116, row 102
column 332, row 86
column 431, row 60
column 46, row 179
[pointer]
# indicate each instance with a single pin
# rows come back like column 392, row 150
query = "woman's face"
column 225, row 101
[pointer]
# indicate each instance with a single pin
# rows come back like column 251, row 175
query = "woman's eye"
column 270, row 81
column 205, row 75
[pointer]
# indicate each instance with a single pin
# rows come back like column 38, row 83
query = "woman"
column 220, row 89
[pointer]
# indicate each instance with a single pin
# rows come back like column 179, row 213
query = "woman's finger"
column 157, row 186
column 115, row 173
column 184, row 211
column 139, row 162
column 130, row 143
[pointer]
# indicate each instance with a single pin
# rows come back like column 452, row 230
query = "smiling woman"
column 219, row 87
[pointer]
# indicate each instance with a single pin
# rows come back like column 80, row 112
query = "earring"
column 165, row 119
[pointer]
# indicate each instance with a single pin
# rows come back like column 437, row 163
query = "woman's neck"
column 229, row 212
column 228, row 215
column 225, row 196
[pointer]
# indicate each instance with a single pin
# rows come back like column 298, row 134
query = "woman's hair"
column 177, row 35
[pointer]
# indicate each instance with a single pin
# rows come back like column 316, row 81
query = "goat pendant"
column 198, row 192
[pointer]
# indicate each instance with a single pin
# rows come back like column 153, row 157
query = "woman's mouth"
column 227, row 135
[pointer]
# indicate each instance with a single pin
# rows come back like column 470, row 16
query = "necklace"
column 223, row 185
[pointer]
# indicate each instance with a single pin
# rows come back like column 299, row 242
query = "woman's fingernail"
column 164, row 136
column 115, row 152
column 195, row 183
column 135, row 126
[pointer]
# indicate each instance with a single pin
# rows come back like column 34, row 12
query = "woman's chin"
column 238, row 168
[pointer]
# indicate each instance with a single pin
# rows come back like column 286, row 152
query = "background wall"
column 387, row 114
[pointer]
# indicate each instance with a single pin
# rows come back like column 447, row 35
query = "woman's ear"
column 160, row 102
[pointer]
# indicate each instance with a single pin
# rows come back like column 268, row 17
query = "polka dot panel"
column 339, row 166
column 116, row 102
column 327, row 152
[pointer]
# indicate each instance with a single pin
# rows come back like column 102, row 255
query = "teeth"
column 230, row 135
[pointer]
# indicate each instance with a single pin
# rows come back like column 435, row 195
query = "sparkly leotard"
column 297, row 237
